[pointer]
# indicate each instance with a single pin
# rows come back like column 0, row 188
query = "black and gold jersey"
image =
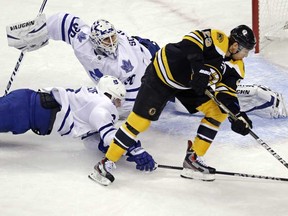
column 176, row 62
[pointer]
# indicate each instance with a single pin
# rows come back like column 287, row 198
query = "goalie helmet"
column 104, row 38
column 244, row 36
column 112, row 88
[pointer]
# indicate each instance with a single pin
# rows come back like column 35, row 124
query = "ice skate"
column 102, row 172
column 195, row 168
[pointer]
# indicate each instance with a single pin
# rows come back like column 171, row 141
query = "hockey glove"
column 143, row 159
column 200, row 81
column 28, row 37
column 242, row 125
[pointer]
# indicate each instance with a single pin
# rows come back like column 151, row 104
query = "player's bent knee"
column 211, row 110
column 137, row 122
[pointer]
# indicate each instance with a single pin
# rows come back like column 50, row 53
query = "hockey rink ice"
column 47, row 176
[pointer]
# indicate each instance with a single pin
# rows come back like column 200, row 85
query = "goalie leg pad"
column 261, row 101
column 281, row 111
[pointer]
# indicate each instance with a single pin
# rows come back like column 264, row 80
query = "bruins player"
column 184, row 70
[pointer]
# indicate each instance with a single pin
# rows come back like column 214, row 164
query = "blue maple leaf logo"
column 127, row 66
column 96, row 74
column 81, row 36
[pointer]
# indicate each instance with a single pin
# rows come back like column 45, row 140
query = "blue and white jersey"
column 83, row 112
column 129, row 66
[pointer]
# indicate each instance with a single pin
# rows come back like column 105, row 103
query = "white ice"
column 47, row 176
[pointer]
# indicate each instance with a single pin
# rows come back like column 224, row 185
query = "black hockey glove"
column 242, row 125
column 200, row 81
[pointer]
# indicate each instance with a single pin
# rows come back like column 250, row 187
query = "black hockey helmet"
column 243, row 35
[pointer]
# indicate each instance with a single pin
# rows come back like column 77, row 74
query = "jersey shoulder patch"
column 220, row 40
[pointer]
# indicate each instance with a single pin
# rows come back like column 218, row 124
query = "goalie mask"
column 113, row 88
column 104, row 38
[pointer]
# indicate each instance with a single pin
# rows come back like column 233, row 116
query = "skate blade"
column 191, row 174
column 95, row 176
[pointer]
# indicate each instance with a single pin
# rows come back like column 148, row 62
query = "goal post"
column 255, row 22
column 269, row 21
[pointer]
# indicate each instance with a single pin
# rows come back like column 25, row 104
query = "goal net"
column 270, row 21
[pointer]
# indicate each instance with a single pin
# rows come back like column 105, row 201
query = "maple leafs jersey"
column 84, row 112
column 176, row 62
column 129, row 66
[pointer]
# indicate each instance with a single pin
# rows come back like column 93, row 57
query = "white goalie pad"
column 261, row 101
column 254, row 99
column 28, row 36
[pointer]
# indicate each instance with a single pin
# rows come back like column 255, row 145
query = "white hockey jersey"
column 129, row 66
column 84, row 112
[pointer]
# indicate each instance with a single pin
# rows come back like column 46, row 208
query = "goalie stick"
column 260, row 141
column 245, row 175
column 20, row 59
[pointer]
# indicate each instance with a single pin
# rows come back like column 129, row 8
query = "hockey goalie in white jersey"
column 102, row 50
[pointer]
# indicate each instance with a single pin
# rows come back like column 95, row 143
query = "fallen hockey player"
column 88, row 113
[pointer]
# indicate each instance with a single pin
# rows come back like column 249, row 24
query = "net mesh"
column 273, row 21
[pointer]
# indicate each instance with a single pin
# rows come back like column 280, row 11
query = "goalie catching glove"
column 144, row 161
column 242, row 125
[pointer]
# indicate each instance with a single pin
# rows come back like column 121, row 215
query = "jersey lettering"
column 74, row 30
column 130, row 80
column 93, row 90
column 131, row 41
column 208, row 40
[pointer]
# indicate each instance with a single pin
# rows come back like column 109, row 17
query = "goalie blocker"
column 255, row 99
column 28, row 36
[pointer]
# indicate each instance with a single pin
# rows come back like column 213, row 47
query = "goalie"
column 100, row 48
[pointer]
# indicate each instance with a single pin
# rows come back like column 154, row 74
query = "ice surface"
column 47, row 176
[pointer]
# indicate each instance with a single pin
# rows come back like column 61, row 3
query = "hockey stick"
column 260, row 141
column 231, row 173
column 18, row 63
column 42, row 7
